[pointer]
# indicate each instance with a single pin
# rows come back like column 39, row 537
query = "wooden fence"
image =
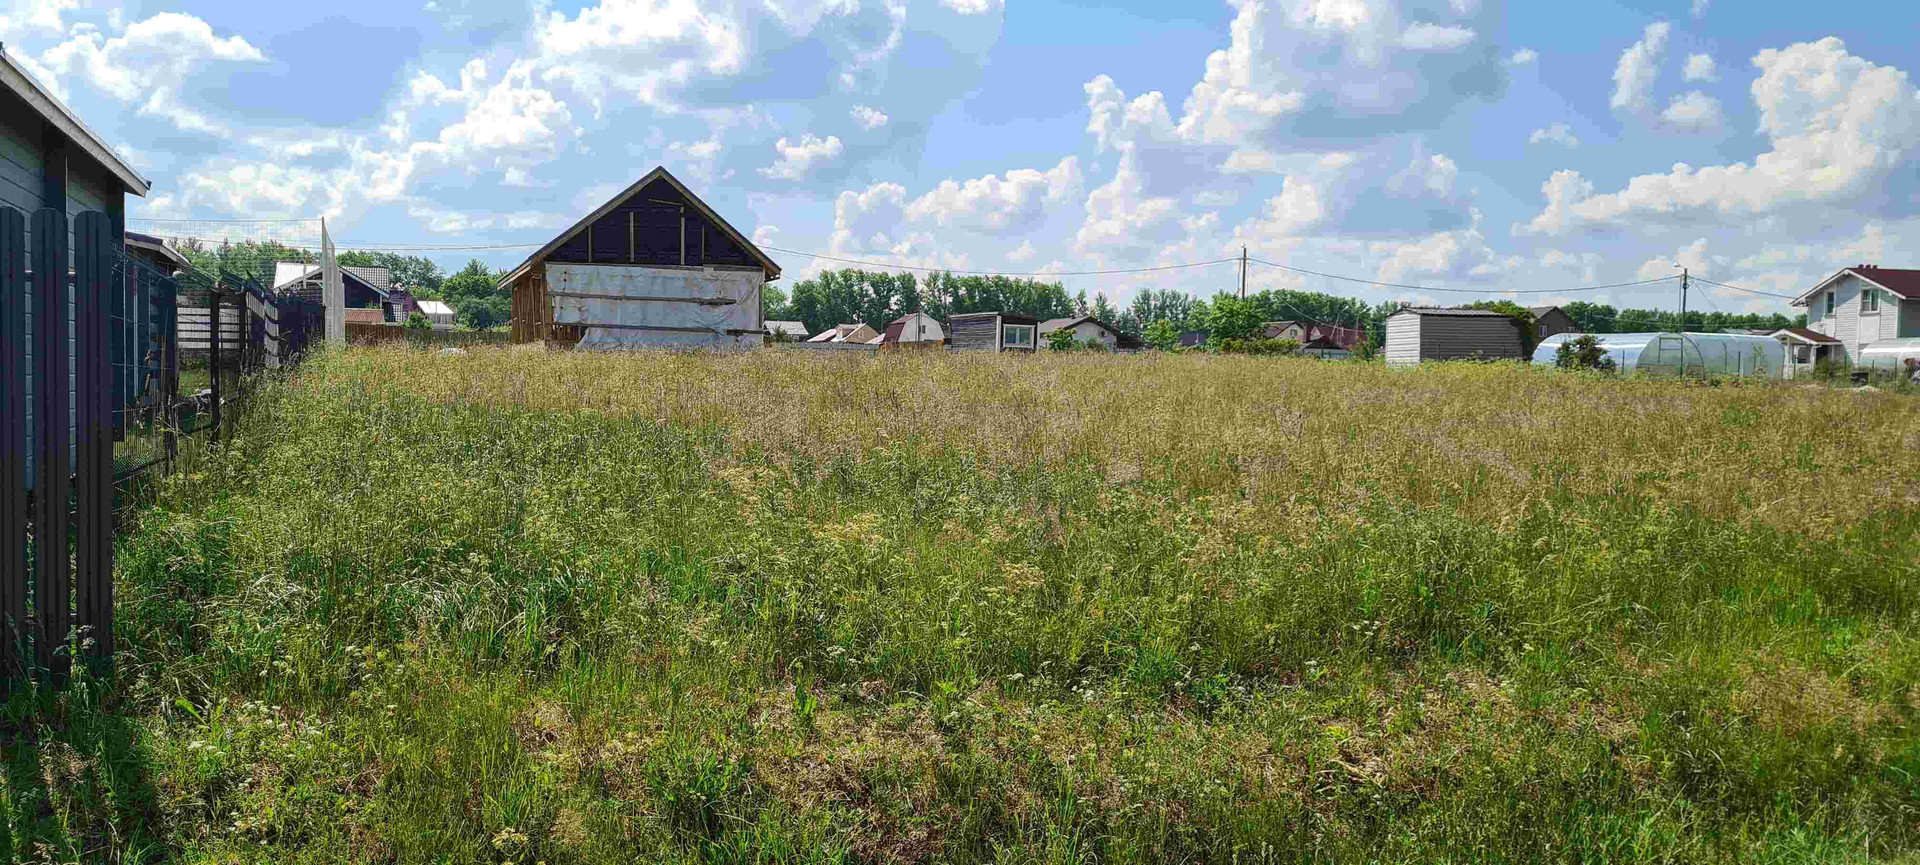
column 90, row 342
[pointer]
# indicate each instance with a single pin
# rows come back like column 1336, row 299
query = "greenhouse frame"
column 1671, row 353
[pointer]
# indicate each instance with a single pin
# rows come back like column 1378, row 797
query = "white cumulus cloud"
column 1639, row 67
column 1523, row 57
column 1558, row 133
column 1700, row 67
column 868, row 118
column 798, row 158
column 1693, row 111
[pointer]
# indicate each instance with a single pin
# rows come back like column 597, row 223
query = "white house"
column 1086, row 328
column 914, row 327
column 1858, row 307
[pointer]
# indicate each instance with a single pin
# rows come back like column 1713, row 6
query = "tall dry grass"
column 531, row 607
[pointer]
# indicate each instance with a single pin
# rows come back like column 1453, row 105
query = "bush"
column 1583, row 352
column 416, row 321
column 1261, row 347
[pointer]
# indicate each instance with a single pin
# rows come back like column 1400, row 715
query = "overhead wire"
column 1380, row 284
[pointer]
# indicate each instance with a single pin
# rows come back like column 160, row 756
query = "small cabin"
column 653, row 267
column 1417, row 334
column 1552, row 321
column 993, row 331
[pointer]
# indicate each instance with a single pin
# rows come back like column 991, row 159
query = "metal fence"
column 90, row 344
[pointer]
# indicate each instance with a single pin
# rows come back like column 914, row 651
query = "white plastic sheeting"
column 1890, row 354
column 651, row 307
column 1678, row 353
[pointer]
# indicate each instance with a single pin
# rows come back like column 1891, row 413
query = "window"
column 1870, row 300
column 1830, row 296
column 1019, row 335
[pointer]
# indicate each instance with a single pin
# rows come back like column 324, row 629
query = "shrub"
column 1583, row 352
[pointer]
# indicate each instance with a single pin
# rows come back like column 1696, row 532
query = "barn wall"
column 979, row 332
column 647, row 229
column 644, row 303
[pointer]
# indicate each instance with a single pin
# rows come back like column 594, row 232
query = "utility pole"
column 1243, row 273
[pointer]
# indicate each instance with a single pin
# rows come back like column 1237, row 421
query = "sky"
column 1453, row 148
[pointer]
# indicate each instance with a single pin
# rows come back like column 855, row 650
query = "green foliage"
column 1062, row 340
column 476, row 302
column 1230, row 319
column 1522, row 317
column 417, row 321
column 1583, row 352
column 1261, row 346
column 1162, row 335
column 876, row 298
column 414, row 273
column 1603, row 318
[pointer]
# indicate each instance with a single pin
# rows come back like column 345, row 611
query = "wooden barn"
column 1416, row 334
column 993, row 331
column 653, row 267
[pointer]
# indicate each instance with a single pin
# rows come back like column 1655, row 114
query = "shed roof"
column 50, row 109
column 156, row 245
column 790, row 328
column 658, row 173
column 1806, row 335
column 1437, row 310
column 434, row 307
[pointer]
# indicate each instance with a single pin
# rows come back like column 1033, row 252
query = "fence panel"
column 99, row 341
column 52, row 353
column 13, row 439
column 196, row 335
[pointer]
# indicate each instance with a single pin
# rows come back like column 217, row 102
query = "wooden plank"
column 13, row 439
column 95, row 296
column 119, row 362
column 53, row 395
column 613, row 326
column 703, row 301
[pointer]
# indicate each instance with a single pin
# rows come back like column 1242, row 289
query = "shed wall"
column 1403, row 339
column 1450, row 337
column 974, row 333
column 622, row 306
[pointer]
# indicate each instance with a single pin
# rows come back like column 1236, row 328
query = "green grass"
column 521, row 607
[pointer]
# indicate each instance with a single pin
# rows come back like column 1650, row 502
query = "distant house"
column 796, row 330
column 366, row 287
column 1862, row 305
column 1086, row 328
column 1416, row 334
column 1317, row 339
column 1551, row 320
column 993, row 331
column 855, row 333
column 914, row 329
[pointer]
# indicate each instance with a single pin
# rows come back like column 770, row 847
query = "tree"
column 416, row 321
column 1235, row 319
column 1162, row 335
column 1062, row 340
column 476, row 301
column 1529, row 329
column 1102, row 310
column 773, row 304
column 1583, row 352
column 419, row 275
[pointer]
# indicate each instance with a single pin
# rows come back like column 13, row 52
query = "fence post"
column 213, row 358
column 98, row 338
column 53, row 458
column 170, row 370
column 13, row 441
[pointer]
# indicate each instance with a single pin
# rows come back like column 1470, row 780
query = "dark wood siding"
column 974, row 333
column 646, row 229
column 21, row 163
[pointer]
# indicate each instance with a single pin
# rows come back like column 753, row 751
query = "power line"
column 1747, row 290
column 998, row 272
column 1462, row 290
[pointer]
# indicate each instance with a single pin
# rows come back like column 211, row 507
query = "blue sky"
column 1459, row 144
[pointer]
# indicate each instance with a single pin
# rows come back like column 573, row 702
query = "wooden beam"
column 633, row 245
column 617, row 326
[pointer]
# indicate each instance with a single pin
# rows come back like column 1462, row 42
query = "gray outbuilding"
column 1420, row 333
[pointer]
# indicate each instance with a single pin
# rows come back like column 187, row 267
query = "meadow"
column 530, row 607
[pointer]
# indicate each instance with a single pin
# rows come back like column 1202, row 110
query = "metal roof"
column 23, row 85
column 791, row 328
column 1436, row 310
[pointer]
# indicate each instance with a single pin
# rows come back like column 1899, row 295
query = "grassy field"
column 552, row 608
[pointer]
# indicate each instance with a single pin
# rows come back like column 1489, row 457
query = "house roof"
column 1016, row 318
column 50, row 109
column 1540, row 312
column 366, row 316
column 894, row 329
column 1902, row 282
column 1805, row 335
column 157, row 246
column 434, row 307
column 379, row 279
column 791, row 328
column 658, row 173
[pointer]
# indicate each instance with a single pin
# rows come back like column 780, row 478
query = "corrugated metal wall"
column 1403, row 339
column 1454, row 337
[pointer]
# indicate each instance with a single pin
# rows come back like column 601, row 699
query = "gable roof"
column 377, row 279
column 158, row 247
column 658, row 173
column 1902, row 282
column 1805, row 335
column 1540, row 312
column 50, row 109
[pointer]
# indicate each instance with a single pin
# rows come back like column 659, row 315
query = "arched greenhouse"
column 1681, row 353
column 1890, row 355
